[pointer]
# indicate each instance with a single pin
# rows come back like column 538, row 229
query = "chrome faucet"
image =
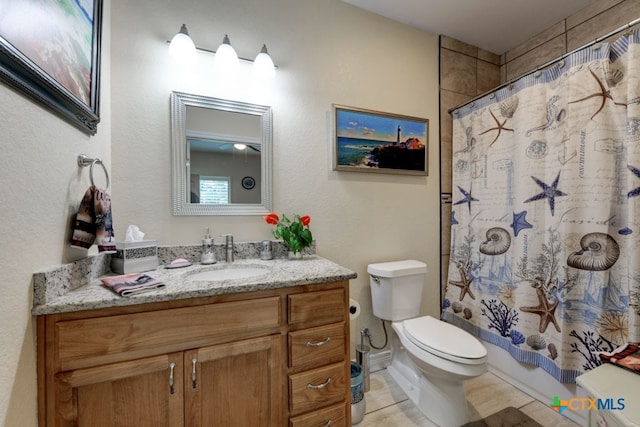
column 229, row 246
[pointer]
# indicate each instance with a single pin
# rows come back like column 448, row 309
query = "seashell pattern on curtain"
column 545, row 235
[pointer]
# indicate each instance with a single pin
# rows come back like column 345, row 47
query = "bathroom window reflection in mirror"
column 222, row 156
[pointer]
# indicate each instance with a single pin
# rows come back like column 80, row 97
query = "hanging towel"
column 93, row 223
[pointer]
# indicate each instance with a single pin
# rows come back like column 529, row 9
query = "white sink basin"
column 228, row 273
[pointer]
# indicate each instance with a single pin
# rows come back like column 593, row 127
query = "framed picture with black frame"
column 373, row 141
column 50, row 52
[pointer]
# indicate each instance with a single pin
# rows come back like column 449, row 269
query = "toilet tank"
column 396, row 288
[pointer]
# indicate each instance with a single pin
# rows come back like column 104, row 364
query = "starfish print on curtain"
column 550, row 192
column 520, row 222
column 636, row 172
column 464, row 284
column 604, row 94
column 500, row 127
column 467, row 198
column 545, row 309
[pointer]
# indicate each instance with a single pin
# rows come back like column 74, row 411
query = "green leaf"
column 286, row 235
column 294, row 245
column 306, row 237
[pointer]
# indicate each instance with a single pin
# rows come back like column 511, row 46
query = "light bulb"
column 263, row 65
column 240, row 146
column 182, row 48
column 226, row 57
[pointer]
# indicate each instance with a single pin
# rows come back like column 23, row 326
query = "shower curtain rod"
column 546, row 64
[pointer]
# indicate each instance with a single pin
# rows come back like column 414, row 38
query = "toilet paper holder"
column 354, row 309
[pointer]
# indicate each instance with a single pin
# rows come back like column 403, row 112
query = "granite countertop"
column 282, row 273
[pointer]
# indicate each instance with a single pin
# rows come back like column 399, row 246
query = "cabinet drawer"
column 86, row 342
column 316, row 388
column 320, row 307
column 334, row 416
column 316, row 346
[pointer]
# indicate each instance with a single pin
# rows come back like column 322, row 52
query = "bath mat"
column 508, row 417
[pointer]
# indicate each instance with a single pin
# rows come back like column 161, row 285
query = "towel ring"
column 84, row 161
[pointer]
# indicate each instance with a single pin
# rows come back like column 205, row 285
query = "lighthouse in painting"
column 409, row 154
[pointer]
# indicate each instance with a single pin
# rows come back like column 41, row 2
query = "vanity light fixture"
column 226, row 57
column 263, row 65
column 182, row 48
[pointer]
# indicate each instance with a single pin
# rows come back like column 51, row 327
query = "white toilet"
column 429, row 358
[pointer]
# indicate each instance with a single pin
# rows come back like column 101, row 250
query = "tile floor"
column 387, row 405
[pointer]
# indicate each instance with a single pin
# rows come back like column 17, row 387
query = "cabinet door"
column 136, row 393
column 235, row 384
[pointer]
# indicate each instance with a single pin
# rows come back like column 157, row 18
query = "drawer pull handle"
column 172, row 365
column 329, row 423
column 318, row 344
column 194, row 383
column 323, row 385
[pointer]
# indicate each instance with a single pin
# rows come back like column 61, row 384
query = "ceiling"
column 224, row 147
column 493, row 25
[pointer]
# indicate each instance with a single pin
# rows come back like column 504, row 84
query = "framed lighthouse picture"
column 373, row 141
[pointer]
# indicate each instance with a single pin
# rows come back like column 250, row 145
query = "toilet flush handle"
column 375, row 279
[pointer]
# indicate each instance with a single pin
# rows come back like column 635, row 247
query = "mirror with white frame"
column 221, row 156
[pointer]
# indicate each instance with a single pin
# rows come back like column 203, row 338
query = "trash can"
column 358, row 404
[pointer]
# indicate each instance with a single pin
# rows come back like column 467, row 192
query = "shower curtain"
column 545, row 224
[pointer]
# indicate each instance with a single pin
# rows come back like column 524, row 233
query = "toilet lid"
column 444, row 340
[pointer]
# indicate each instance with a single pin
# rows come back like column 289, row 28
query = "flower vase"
column 294, row 255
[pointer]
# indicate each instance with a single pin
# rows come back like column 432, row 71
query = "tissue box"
column 135, row 257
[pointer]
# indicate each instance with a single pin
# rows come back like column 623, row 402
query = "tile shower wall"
column 596, row 20
column 467, row 71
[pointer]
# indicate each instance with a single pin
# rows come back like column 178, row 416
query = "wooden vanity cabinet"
column 223, row 360
column 319, row 366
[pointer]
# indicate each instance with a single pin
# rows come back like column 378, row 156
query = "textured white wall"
column 41, row 189
column 328, row 52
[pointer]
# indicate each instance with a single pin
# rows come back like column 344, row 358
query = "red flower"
column 295, row 234
column 272, row 219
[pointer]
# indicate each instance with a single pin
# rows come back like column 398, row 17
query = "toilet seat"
column 445, row 340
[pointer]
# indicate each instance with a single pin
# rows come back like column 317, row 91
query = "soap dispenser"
column 208, row 257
